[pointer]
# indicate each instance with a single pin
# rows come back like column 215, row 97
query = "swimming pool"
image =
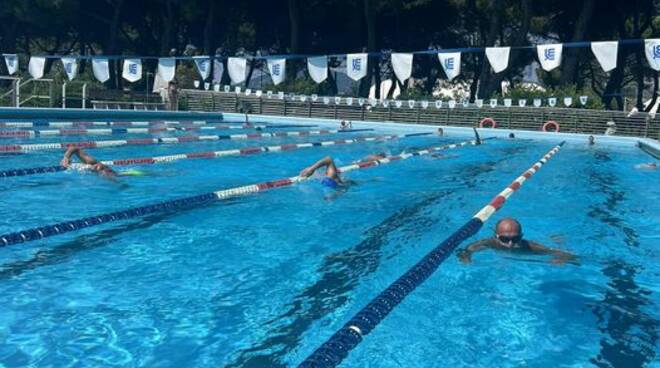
column 262, row 280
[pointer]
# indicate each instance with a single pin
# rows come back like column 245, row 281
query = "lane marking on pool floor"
column 332, row 352
column 204, row 155
column 167, row 140
column 188, row 202
column 152, row 130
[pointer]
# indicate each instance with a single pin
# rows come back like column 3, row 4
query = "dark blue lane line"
column 630, row 335
column 342, row 272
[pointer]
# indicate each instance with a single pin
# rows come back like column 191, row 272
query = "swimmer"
column 440, row 132
column 592, row 140
column 511, row 135
column 332, row 179
column 374, row 157
column 509, row 237
column 345, row 125
column 647, row 166
column 94, row 164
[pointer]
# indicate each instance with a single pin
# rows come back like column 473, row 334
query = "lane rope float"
column 198, row 155
column 152, row 130
column 166, row 140
column 332, row 352
column 187, row 202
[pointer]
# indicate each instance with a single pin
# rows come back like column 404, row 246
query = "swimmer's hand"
column 65, row 162
column 465, row 257
column 307, row 172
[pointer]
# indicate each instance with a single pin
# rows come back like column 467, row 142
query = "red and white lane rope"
column 165, row 140
column 152, row 130
column 187, row 202
column 227, row 193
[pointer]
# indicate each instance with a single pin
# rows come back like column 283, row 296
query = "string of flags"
column 549, row 57
column 424, row 104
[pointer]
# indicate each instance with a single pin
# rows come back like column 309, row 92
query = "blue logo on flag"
column 132, row 68
column 276, row 69
column 449, row 64
column 202, row 66
column 549, row 54
column 656, row 52
column 357, row 64
column 68, row 67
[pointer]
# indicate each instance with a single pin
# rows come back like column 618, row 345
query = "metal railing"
column 571, row 120
column 126, row 105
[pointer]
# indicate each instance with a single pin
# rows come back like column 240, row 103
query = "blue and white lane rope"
column 187, row 202
column 166, row 140
column 211, row 154
column 151, row 130
column 336, row 348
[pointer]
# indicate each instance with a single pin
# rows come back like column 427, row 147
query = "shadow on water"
column 63, row 252
column 630, row 334
column 341, row 272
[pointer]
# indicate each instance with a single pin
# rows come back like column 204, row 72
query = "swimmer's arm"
column 465, row 255
column 559, row 256
column 309, row 171
column 82, row 156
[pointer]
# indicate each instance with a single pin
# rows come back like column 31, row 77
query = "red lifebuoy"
column 487, row 123
column 550, row 123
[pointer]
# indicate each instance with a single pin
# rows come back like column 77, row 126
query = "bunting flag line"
column 36, row 66
column 356, row 66
column 132, row 70
column 277, row 69
column 652, row 50
column 317, row 67
column 549, row 56
column 70, row 65
column 606, row 54
column 203, row 64
column 237, row 67
column 218, row 71
column 101, row 69
column 11, row 61
column 167, row 68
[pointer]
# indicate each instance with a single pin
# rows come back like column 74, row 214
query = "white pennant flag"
column 479, row 103
column 493, row 102
column 237, row 66
column 451, row 104
column 166, row 68
column 438, row 104
column 203, row 64
column 349, row 101
column 218, row 71
column 132, row 70
column 451, row 64
column 606, row 54
column 402, row 65
column 522, row 102
column 652, row 48
column 583, row 100
column 537, row 102
column 411, row 103
column 277, row 69
column 70, row 65
column 498, row 57
column 568, row 101
column 552, row 101
column 507, row 102
column 549, row 55
column 36, row 66
column 11, row 60
column 318, row 68
column 101, row 69
column 356, row 66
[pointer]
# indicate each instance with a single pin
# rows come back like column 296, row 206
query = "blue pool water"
column 263, row 280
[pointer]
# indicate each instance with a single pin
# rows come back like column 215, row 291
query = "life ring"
column 487, row 123
column 550, row 123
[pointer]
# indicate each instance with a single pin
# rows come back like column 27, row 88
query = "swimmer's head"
column 440, row 132
column 592, row 140
column 511, row 135
column 508, row 232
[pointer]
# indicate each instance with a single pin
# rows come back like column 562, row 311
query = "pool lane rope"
column 188, row 202
column 151, row 130
column 203, row 155
column 336, row 348
column 84, row 124
column 166, row 140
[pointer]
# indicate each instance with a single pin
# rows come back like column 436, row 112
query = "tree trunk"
column 168, row 21
column 571, row 60
column 370, row 17
column 112, row 41
column 486, row 76
column 209, row 45
column 294, row 20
